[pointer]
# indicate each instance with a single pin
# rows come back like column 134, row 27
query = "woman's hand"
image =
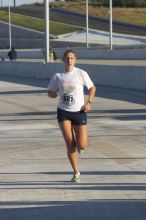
column 52, row 94
column 87, row 107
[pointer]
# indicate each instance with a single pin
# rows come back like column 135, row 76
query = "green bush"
column 129, row 3
column 121, row 3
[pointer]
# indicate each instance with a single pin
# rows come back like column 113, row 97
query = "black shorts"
column 77, row 118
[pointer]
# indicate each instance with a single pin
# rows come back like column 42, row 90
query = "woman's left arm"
column 87, row 105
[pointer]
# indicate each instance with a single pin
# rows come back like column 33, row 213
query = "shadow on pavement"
column 71, row 210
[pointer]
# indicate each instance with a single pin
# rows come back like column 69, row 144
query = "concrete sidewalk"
column 102, row 38
column 34, row 170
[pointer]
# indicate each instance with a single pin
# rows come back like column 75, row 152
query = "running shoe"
column 76, row 178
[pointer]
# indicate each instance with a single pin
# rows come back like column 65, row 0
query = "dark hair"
column 66, row 52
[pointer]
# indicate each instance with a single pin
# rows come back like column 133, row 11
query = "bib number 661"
column 68, row 99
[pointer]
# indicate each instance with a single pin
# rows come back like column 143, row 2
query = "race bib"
column 68, row 99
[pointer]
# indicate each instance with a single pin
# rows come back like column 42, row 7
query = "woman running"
column 72, row 110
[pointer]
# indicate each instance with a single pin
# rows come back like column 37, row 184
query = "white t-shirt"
column 70, row 86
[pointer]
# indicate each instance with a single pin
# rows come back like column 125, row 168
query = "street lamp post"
column 1, row 3
column 87, row 23
column 10, row 35
column 47, row 30
column 111, row 25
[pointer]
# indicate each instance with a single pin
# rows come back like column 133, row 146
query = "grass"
column 130, row 15
column 56, row 28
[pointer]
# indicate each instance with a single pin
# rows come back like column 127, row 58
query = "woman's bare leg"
column 68, row 134
column 81, row 133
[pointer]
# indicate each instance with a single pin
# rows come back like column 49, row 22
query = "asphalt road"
column 24, row 38
column 21, row 37
column 71, row 17
column 18, row 32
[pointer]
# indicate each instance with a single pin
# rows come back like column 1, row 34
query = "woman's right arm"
column 52, row 94
column 53, row 87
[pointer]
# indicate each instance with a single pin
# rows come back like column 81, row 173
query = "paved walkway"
column 34, row 169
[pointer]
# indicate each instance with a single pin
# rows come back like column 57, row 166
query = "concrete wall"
column 84, row 53
column 132, row 77
column 25, row 54
column 117, row 54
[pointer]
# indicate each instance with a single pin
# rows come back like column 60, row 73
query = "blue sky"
column 18, row 2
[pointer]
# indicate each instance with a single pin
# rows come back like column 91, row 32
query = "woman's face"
column 69, row 61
